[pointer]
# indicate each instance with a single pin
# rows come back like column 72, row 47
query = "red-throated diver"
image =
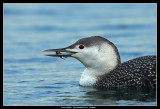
column 103, row 65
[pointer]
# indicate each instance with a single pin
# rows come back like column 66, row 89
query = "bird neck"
column 98, row 64
column 90, row 75
column 88, row 78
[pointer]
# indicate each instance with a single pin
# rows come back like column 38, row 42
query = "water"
column 30, row 78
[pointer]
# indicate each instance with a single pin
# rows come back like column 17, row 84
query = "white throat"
column 87, row 78
column 97, row 64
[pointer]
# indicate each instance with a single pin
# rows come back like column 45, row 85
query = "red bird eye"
column 81, row 46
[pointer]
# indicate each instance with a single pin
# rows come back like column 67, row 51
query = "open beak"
column 63, row 52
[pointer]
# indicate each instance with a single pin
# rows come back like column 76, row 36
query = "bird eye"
column 81, row 46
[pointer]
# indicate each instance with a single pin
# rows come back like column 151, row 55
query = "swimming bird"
column 103, row 64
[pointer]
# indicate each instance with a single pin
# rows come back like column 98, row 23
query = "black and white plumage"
column 103, row 65
column 136, row 72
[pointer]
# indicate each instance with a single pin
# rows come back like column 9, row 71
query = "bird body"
column 103, row 64
column 139, row 72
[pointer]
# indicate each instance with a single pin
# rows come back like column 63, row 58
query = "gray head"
column 94, row 48
column 97, row 54
column 93, row 52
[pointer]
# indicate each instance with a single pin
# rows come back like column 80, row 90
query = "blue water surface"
column 30, row 78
